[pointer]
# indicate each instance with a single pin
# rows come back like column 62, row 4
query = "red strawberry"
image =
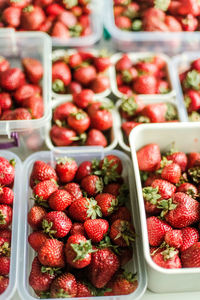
column 196, row 64
column 54, row 9
column 123, row 284
column 42, row 171
column 35, row 216
column 96, row 229
column 47, row 24
column 122, row 233
column 51, row 253
column 4, row 282
column 83, row 209
column 171, row 173
column 131, row 107
column 189, row 7
column 100, row 84
column 162, row 87
column 62, row 111
column 125, row 89
column 127, row 76
column 64, row 285
column 68, row 19
column 74, row 190
column 145, row 84
column 20, row 114
column 174, row 238
column 32, row 17
column 193, row 160
column 5, row 216
column 78, row 251
column 11, row 79
column 4, row 64
column 107, row 202
column 102, row 63
column 173, row 24
column 19, row 3
column 122, row 213
column 35, row 106
column 7, row 171
column 79, row 121
column 111, row 163
column 83, row 290
column 77, row 228
column 6, row 196
column 75, row 60
column 66, row 169
column 190, row 257
column 60, row 200
column 147, row 67
column 188, row 188
column 192, row 100
column 186, row 212
column 123, row 22
column 165, row 188
column 168, row 259
column 56, row 224
column 84, row 98
column 190, row 236
column 102, row 119
column 150, row 178
column 92, row 185
column 6, row 234
column 36, row 239
column 43, row 190
column 84, row 169
column 33, row 69
column 60, row 71
column 59, row 31
column 128, row 126
column 11, row 16
column 77, row 11
column 149, row 158
column 159, row 112
column 179, row 158
column 103, row 266
column 62, row 136
column 4, row 265
column 23, row 92
column 75, row 87
column 189, row 23
column 96, row 138
column 124, row 63
column 85, row 75
column 156, row 230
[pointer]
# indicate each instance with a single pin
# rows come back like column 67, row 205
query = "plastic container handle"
column 14, row 143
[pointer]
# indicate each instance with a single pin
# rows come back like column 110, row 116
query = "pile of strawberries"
column 171, row 199
column 157, row 15
column 82, row 122
column 82, row 230
column 20, row 93
column 7, row 175
column 190, row 82
column 146, row 76
column 61, row 19
column 72, row 73
column 135, row 112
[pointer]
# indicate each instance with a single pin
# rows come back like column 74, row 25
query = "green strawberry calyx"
column 93, row 209
column 107, row 171
column 169, row 253
column 107, row 105
column 129, row 106
column 44, row 295
column 80, row 115
column 70, row 3
column 126, row 233
column 76, row 30
column 12, row 162
column 187, row 101
column 95, row 164
column 142, row 119
column 61, row 293
column 63, row 160
column 164, row 162
column 137, row 25
column 151, row 194
column 126, row 76
column 5, row 249
column 195, row 174
column 166, row 206
column 58, row 86
column 194, row 117
column 47, row 228
column 82, row 249
column 171, row 113
column 40, row 201
column 106, row 243
column 130, row 12
column 51, row 270
column 162, row 4
column 113, row 205
column 2, row 218
column 192, row 80
column 131, row 277
column 144, row 175
column 28, row 8
column 82, row 138
column 99, row 185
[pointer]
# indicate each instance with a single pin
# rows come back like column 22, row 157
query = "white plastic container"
column 187, row 139
column 121, row 135
column 14, row 227
column 170, row 42
column 113, row 131
column 27, row 254
column 57, row 54
column 28, row 134
column 135, row 57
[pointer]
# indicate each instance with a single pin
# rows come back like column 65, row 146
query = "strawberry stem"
column 82, row 249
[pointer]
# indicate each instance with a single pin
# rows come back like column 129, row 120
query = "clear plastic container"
column 113, row 132
column 27, row 254
column 135, row 57
column 14, row 227
column 57, row 54
column 28, row 135
column 186, row 139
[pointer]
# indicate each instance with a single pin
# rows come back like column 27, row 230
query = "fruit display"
column 190, row 83
column 82, row 230
column 143, row 74
column 170, row 192
column 83, row 121
column 20, row 90
column 77, row 70
column 150, row 15
column 63, row 19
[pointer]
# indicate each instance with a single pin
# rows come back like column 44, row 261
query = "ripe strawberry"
column 100, row 84
column 124, row 63
column 111, row 164
column 102, row 63
column 62, row 111
column 189, row 7
column 4, row 265
column 4, row 64
column 101, row 119
column 36, row 239
column 68, row 19
column 5, row 216
column 35, row 106
column 75, row 60
column 149, row 158
column 11, row 16
column 23, row 92
column 186, row 212
column 145, row 84
column 79, row 121
column 75, row 87
column 171, row 173
column 84, row 98
column 38, row 280
column 11, row 79
column 59, row 31
column 54, row 9
column 6, row 196
column 96, row 138
column 62, row 136
column 35, row 217
column 84, row 169
column 74, row 190
column 168, row 259
column 20, row 114
column 179, row 158
column 85, row 75
column 78, row 251
column 188, row 188
column 5, row 101
column 4, row 282
column 122, row 233
column 92, row 185
column 51, row 253
column 190, row 257
column 33, row 69
column 165, row 188
column 174, row 238
column 96, row 229
column 60, row 200
column 192, row 100
column 128, row 126
column 77, row 228
column 156, row 230
column 104, row 264
column 159, row 112
column 4, row 247
column 60, row 71
column 107, row 202
column 190, row 236
column 122, row 213
column 56, row 224
column 123, row 284
column 41, row 171
column 64, row 285
column 19, row 3
column 32, row 17
column 131, row 107
column 193, row 160
column 84, row 290
column 66, row 169
column 43, row 190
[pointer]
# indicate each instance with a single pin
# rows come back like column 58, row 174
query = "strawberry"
column 41, row 171
column 165, row 188
column 186, row 212
column 152, row 200
column 84, row 169
column 51, row 253
column 92, row 185
column 179, row 158
column 168, row 259
column 62, row 111
column 159, row 112
column 66, row 169
column 145, row 84
column 68, row 19
column 35, row 216
column 11, row 79
column 4, row 64
column 78, row 251
column 131, row 107
column 100, row 84
column 74, row 190
column 174, row 238
column 75, row 87
column 189, row 7
column 107, row 202
column 104, row 264
column 59, row 31
column 193, row 160
column 5, row 216
column 122, row 213
column 11, row 16
column 33, row 69
column 77, row 228
column 18, row 3
column 43, row 190
column 147, row 66
column 56, row 224
column 60, row 71
column 36, row 239
column 4, row 265
column 190, row 257
column 123, row 283
column 75, row 60
column 123, row 22
column 171, row 173
column 23, row 92
column 7, row 171
column 47, row 24
column 35, row 106
column 60, row 200
column 149, row 158
column 188, row 188
column 83, row 209
column 20, row 114
column 102, row 119
column 122, row 233
column 189, row 23
column 124, row 63
column 4, row 282
column 156, row 230
column 128, row 126
column 96, row 229
column 96, row 138
column 162, row 87
column 77, row 11
column 32, row 17
column 111, row 166
column 85, row 75
column 62, row 136
column 84, row 290
column 84, row 98
column 128, row 75
column 125, row 89
column 64, row 286
column 192, row 100
column 6, row 196
column 6, row 234
column 54, row 9
column 38, row 280
column 102, row 63
column 112, row 188
column 190, row 236
column 79, row 121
